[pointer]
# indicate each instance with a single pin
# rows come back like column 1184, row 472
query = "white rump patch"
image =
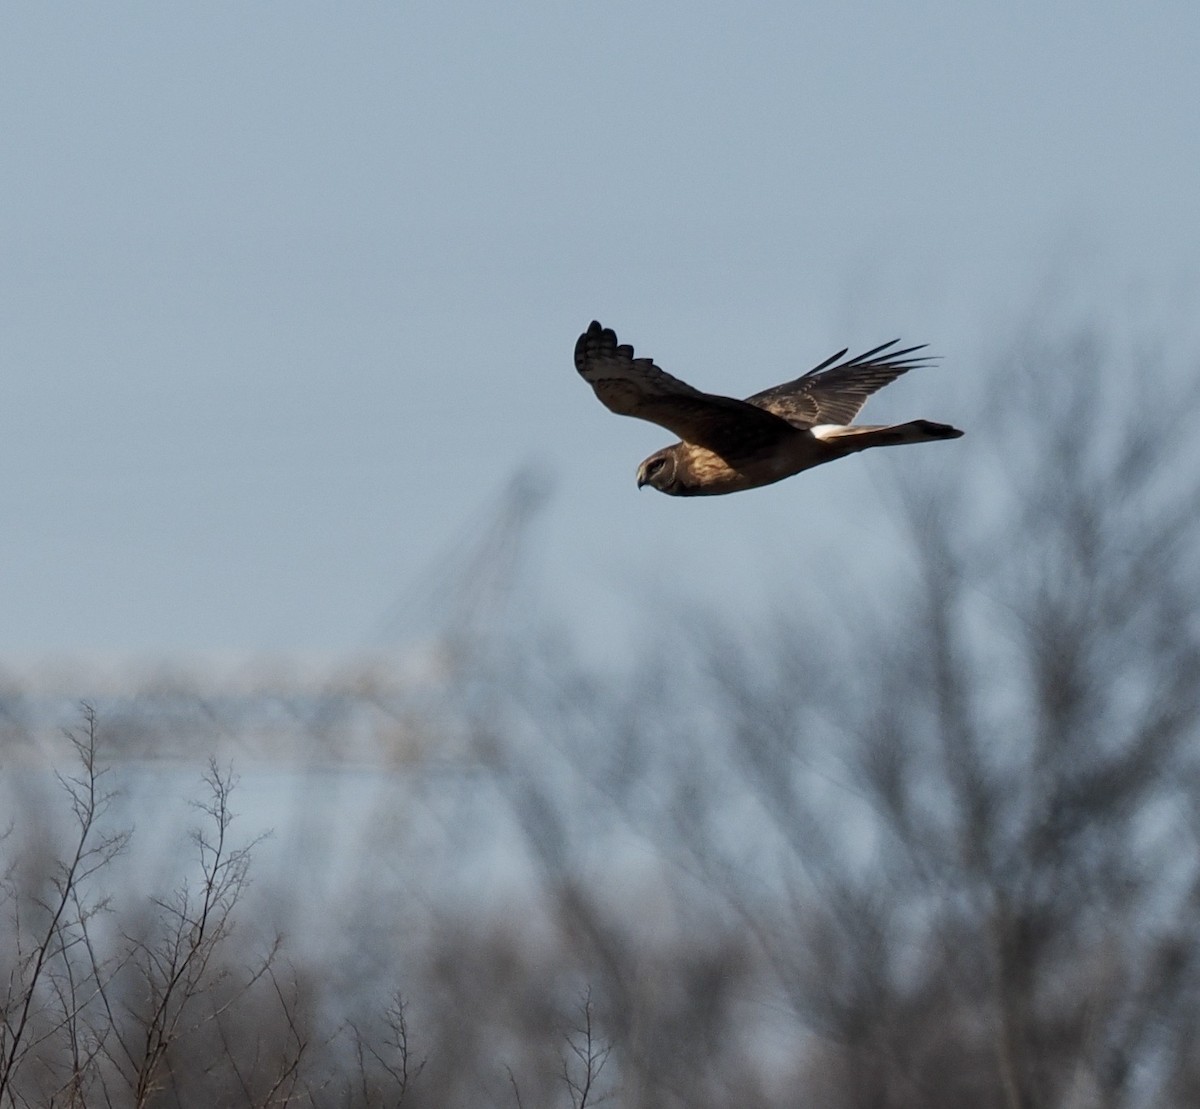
column 826, row 431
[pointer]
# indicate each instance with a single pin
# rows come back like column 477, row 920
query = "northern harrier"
column 729, row 445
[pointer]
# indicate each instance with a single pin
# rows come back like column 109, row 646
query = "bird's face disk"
column 659, row 471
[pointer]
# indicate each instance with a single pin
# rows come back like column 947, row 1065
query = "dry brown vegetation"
column 935, row 852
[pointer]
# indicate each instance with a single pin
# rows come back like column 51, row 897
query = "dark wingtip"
column 895, row 357
column 597, row 337
column 940, row 431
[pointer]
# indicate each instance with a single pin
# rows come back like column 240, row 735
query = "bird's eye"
column 655, row 466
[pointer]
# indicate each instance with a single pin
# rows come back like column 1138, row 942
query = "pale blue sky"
column 288, row 290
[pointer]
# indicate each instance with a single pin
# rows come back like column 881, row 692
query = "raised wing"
column 636, row 387
column 834, row 394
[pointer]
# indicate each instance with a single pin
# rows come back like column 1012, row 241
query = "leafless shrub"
column 54, row 978
column 177, row 966
column 110, row 999
column 383, row 1073
column 585, row 1057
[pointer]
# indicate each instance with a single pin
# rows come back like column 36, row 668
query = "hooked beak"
column 641, row 479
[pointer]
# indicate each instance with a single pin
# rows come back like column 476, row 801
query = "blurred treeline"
column 935, row 849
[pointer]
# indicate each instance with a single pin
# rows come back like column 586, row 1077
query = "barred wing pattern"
column 834, row 394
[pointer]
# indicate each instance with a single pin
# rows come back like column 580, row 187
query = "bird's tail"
column 860, row 437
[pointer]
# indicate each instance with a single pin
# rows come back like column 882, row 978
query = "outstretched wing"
column 835, row 393
column 637, row 387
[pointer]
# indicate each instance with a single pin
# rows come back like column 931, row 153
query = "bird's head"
column 660, row 471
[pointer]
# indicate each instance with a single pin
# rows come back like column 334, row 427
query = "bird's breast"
column 710, row 473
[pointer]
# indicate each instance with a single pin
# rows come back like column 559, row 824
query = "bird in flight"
column 729, row 445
